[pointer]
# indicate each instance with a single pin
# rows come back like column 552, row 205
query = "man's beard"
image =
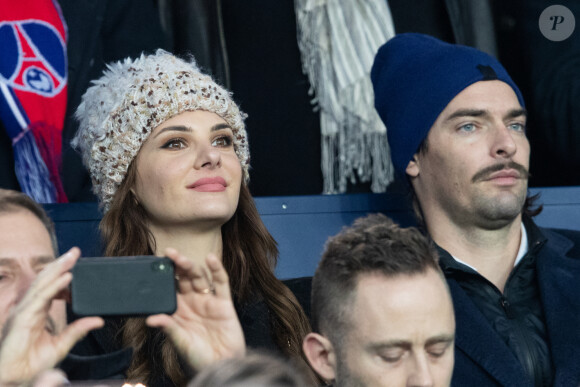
column 494, row 210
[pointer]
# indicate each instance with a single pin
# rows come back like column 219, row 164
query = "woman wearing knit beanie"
column 167, row 151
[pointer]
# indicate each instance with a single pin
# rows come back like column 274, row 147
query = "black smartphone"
column 123, row 286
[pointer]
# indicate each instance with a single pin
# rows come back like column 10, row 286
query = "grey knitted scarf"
column 338, row 40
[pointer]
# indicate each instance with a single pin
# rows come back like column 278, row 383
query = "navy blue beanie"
column 414, row 77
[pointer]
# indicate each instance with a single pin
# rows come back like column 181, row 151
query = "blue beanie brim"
column 414, row 77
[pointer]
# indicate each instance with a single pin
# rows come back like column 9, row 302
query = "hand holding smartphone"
column 123, row 286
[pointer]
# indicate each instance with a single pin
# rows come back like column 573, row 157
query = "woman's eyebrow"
column 176, row 128
column 183, row 128
column 220, row 126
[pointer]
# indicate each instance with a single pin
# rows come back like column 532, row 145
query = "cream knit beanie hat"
column 119, row 111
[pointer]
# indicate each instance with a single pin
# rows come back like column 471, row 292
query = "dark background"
column 251, row 47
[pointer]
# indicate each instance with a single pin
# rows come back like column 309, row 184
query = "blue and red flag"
column 33, row 92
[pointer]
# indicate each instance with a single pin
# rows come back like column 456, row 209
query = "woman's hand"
column 205, row 328
column 30, row 343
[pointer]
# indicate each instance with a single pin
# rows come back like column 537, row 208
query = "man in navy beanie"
column 456, row 128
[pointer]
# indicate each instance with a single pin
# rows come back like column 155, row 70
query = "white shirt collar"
column 521, row 252
column 523, row 246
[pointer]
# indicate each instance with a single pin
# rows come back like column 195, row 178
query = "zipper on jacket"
column 529, row 361
column 505, row 304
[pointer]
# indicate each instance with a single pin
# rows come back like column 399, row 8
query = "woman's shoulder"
column 254, row 315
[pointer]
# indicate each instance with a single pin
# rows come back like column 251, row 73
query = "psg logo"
column 33, row 57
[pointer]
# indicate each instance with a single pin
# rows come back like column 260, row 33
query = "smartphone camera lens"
column 160, row 266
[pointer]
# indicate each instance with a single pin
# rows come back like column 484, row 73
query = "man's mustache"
column 485, row 172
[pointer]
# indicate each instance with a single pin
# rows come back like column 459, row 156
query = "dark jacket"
column 483, row 359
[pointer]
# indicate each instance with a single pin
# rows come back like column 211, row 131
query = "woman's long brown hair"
column 249, row 257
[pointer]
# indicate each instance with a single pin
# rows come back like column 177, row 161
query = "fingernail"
column 67, row 256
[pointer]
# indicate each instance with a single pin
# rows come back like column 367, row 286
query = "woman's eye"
column 222, row 141
column 175, row 143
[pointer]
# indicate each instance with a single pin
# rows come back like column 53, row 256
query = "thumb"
column 74, row 333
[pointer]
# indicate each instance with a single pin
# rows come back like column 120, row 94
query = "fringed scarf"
column 33, row 86
column 338, row 40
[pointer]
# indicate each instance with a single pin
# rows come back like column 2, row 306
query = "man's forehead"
column 24, row 236
column 484, row 94
column 384, row 299
column 480, row 99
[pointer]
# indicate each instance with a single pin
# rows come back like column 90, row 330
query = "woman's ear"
column 413, row 167
column 320, row 354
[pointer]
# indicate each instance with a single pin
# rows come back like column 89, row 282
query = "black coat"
column 483, row 359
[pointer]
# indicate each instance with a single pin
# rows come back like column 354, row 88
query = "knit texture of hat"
column 414, row 77
column 119, row 111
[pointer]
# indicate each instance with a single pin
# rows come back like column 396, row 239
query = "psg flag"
column 33, row 87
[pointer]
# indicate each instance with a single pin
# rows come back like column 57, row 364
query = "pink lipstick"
column 209, row 184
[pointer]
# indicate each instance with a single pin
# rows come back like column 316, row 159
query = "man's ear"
column 413, row 167
column 321, row 355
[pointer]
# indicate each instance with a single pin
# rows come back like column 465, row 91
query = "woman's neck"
column 194, row 244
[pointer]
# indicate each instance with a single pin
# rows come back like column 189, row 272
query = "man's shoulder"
column 566, row 240
column 573, row 235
